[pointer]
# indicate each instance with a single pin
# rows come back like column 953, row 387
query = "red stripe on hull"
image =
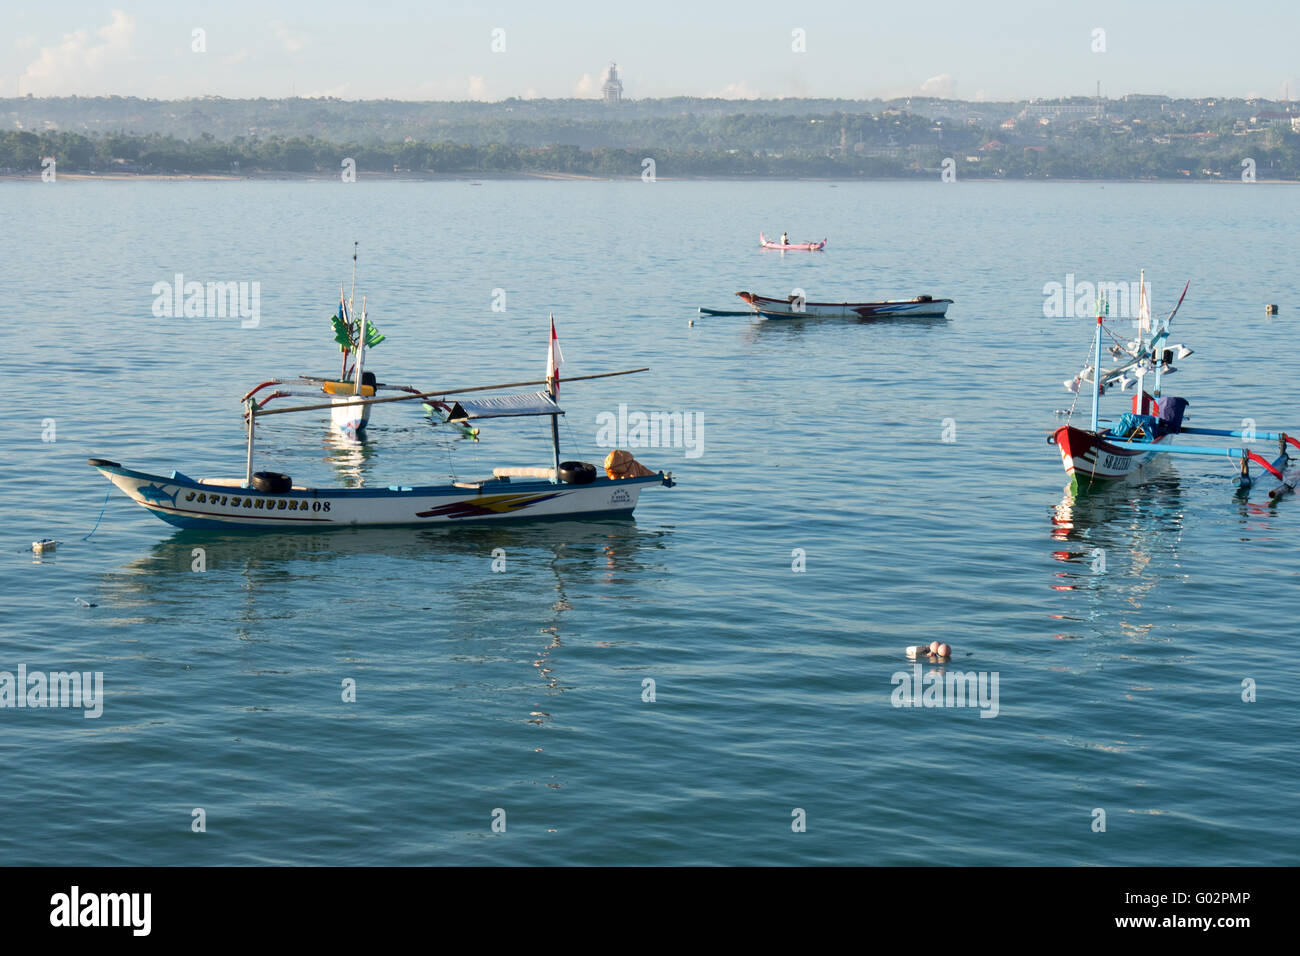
column 1089, row 458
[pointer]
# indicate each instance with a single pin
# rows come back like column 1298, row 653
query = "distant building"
column 1056, row 110
column 1274, row 118
column 612, row 88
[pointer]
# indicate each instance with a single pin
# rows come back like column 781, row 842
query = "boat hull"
column 766, row 243
column 187, row 503
column 1091, row 461
column 348, row 416
column 791, row 308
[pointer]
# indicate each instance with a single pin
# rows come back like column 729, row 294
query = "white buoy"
column 44, row 545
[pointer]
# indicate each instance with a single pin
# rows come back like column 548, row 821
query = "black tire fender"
column 272, row 482
column 577, row 472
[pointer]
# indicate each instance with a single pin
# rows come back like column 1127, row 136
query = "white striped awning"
column 504, row 406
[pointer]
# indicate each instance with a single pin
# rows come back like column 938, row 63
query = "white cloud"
column 589, row 85
column 942, row 86
column 737, row 91
column 291, row 40
column 477, row 88
column 78, row 61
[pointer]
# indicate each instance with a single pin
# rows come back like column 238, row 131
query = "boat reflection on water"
column 1119, row 546
column 349, row 454
column 792, row 326
column 609, row 550
column 320, row 588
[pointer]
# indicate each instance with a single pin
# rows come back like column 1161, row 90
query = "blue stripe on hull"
column 208, row 524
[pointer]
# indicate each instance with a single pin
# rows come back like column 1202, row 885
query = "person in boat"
column 785, row 240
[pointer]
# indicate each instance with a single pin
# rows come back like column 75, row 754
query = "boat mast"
column 361, row 342
column 343, row 317
column 248, row 472
column 553, row 391
column 361, row 349
column 1152, row 329
column 1096, row 370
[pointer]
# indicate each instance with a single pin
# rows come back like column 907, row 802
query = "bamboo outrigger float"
column 263, row 500
column 1130, row 448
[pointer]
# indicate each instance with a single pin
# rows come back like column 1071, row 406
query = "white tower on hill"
column 612, row 87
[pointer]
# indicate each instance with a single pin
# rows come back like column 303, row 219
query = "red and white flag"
column 554, row 357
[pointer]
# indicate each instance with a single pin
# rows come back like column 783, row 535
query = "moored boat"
column 1140, row 441
column 767, row 243
column 264, row 500
column 230, row 503
column 797, row 307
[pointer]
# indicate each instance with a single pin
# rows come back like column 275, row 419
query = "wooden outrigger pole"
column 442, row 393
column 551, row 382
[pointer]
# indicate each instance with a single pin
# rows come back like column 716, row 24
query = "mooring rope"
column 102, row 508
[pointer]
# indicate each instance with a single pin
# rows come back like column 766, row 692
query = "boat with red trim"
column 767, row 243
column 1141, row 440
column 798, row 307
column 268, row 500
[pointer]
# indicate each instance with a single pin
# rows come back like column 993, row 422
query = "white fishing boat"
column 262, row 500
column 797, row 307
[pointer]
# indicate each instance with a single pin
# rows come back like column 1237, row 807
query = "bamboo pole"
column 1096, row 374
column 361, row 349
column 553, row 390
column 440, row 393
column 248, row 472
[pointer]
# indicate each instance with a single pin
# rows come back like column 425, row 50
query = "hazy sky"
column 361, row 49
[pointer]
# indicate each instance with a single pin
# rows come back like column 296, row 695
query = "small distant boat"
column 795, row 307
column 766, row 243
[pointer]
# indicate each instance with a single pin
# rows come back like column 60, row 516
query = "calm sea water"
column 1120, row 689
